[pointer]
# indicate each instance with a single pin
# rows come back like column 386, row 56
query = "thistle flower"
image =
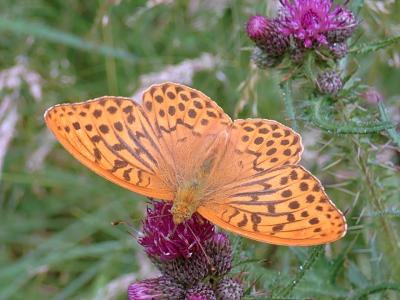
column 338, row 50
column 186, row 255
column 188, row 271
column 163, row 240
column 329, row 82
column 313, row 21
column 202, row 291
column 262, row 60
column 162, row 287
column 267, row 35
column 219, row 250
column 257, row 27
column 347, row 25
column 229, row 289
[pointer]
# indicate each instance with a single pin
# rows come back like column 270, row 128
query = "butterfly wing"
column 264, row 144
column 272, row 199
column 113, row 137
column 285, row 206
column 186, row 122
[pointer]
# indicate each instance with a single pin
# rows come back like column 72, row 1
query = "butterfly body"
column 186, row 202
column 197, row 189
column 180, row 146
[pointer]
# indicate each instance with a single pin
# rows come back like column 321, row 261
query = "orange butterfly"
column 180, row 146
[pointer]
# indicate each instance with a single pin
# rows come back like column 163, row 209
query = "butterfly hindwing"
column 285, row 206
column 113, row 137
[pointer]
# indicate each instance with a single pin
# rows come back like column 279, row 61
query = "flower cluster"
column 299, row 26
column 194, row 259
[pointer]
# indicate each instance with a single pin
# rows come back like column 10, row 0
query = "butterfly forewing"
column 112, row 136
column 185, row 121
column 179, row 113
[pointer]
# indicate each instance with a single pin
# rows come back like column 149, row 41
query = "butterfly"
column 180, row 146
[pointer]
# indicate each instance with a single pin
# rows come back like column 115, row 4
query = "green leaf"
column 321, row 119
column 374, row 46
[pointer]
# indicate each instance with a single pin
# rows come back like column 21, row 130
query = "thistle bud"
column 262, row 60
column 267, row 35
column 229, row 289
column 219, row 251
column 347, row 24
column 163, row 287
column 202, row 291
column 329, row 82
column 188, row 271
column 338, row 50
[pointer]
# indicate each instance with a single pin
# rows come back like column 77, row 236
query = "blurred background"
column 56, row 237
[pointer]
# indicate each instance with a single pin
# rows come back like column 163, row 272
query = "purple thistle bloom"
column 266, row 34
column 257, row 27
column 311, row 21
column 156, row 288
column 188, row 256
column 164, row 240
column 220, row 252
column 185, row 270
column 348, row 24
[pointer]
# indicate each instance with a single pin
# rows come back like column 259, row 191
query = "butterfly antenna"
column 133, row 231
column 200, row 245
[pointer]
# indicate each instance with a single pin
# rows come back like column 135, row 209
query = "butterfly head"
column 180, row 216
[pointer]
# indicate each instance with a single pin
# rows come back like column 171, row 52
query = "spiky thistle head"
column 164, row 240
column 188, row 271
column 162, row 287
column 338, row 50
column 262, row 60
column 329, row 82
column 229, row 289
column 312, row 22
column 201, row 291
column 267, row 35
column 219, row 251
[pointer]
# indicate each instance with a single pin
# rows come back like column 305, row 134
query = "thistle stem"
column 312, row 258
column 377, row 202
column 288, row 101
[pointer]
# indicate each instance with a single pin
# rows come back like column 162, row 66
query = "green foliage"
column 375, row 46
column 56, row 237
column 322, row 119
column 46, row 33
